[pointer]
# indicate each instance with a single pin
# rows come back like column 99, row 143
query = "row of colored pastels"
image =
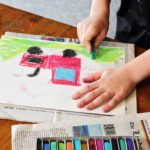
column 92, row 143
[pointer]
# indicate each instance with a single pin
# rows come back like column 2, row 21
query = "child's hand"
column 108, row 87
column 91, row 28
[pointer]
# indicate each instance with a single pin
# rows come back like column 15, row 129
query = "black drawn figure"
column 69, row 53
column 36, row 51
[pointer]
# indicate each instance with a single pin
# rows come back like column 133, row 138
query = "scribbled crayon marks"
column 34, row 60
column 69, row 53
column 35, row 50
column 35, row 73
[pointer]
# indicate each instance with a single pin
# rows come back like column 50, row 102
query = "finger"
column 86, row 37
column 87, row 88
column 89, row 97
column 79, row 34
column 99, row 39
column 86, row 43
column 105, row 97
column 114, row 102
column 92, row 77
column 79, row 31
column 89, row 35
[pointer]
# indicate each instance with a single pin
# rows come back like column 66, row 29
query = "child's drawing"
column 65, row 69
column 45, row 74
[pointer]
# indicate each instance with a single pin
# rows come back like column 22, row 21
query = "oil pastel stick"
column 53, row 145
column 39, row 144
column 45, row 145
column 93, row 52
column 92, row 144
column 130, row 144
column 122, row 144
column 114, row 144
column 99, row 143
column 77, row 144
column 84, row 145
column 69, row 145
column 107, row 145
column 61, row 145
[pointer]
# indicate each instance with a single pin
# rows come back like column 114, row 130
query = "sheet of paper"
column 39, row 91
column 24, row 136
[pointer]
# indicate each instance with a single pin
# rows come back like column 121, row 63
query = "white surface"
column 39, row 92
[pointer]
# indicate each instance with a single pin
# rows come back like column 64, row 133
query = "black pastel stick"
column 114, row 144
column 39, row 144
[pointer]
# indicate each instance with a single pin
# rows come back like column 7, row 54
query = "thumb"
column 92, row 77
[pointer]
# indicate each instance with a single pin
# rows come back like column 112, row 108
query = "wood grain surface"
column 20, row 21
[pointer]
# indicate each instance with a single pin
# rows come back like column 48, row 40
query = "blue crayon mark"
column 130, row 144
column 77, row 144
column 65, row 74
column 107, row 145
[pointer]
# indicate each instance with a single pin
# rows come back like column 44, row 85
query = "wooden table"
column 19, row 21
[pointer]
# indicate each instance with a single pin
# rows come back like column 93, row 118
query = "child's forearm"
column 139, row 68
column 100, row 7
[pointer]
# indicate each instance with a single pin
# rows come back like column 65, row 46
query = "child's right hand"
column 93, row 27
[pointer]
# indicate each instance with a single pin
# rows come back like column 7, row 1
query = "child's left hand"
column 108, row 87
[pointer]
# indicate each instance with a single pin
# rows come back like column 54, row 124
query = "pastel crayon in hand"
column 93, row 51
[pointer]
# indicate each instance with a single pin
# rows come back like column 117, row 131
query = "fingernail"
column 79, row 105
column 89, row 49
column 88, row 108
column 104, row 110
column 75, row 97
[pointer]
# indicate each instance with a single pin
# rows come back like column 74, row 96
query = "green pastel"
column 53, row 145
column 93, row 55
column 61, row 146
column 122, row 144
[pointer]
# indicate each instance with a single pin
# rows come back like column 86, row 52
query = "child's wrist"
column 101, row 19
column 129, row 73
column 134, row 74
column 138, row 68
column 100, row 15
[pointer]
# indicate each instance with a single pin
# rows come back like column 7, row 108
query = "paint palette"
column 91, row 143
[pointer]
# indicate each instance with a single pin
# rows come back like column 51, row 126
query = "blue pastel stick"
column 130, row 144
column 77, row 144
column 45, row 145
column 107, row 145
